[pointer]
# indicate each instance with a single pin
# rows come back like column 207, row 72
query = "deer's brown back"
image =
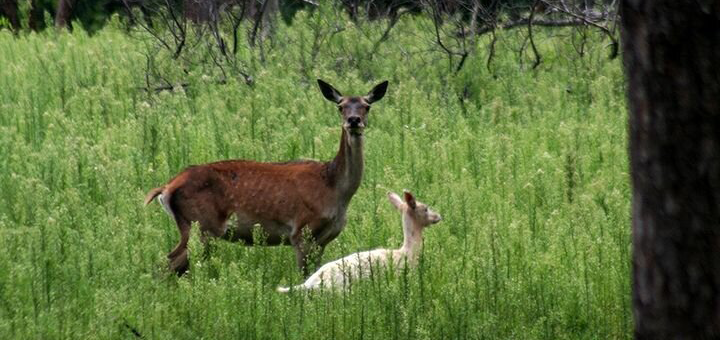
column 289, row 193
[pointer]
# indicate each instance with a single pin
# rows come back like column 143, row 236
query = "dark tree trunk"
column 9, row 9
column 36, row 21
column 63, row 14
column 200, row 11
column 672, row 61
column 196, row 10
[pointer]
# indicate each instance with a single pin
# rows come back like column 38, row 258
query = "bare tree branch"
column 258, row 19
column 491, row 52
column 386, row 34
column 535, row 22
column 536, row 63
column 586, row 20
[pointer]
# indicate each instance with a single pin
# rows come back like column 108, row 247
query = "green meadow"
column 527, row 166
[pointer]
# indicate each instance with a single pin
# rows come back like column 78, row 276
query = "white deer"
column 340, row 273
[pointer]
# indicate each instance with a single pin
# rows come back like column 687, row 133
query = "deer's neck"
column 413, row 241
column 347, row 167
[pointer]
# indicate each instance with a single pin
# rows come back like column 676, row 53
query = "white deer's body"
column 339, row 274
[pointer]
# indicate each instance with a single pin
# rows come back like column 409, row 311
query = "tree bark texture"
column 64, row 12
column 200, row 11
column 672, row 62
column 9, row 9
column 196, row 10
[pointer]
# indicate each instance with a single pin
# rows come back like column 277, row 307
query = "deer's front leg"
column 301, row 258
column 303, row 252
column 306, row 250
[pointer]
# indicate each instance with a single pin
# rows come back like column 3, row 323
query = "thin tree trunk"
column 63, row 14
column 672, row 61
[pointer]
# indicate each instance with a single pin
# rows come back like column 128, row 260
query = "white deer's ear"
column 396, row 201
column 410, row 199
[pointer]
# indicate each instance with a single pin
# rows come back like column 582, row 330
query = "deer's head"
column 353, row 109
column 419, row 212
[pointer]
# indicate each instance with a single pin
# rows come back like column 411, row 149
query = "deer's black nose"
column 354, row 121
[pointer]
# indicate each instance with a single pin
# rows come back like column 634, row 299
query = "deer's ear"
column 329, row 92
column 410, row 200
column 377, row 93
column 395, row 200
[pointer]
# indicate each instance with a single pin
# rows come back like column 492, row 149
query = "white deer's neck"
column 348, row 165
column 413, row 241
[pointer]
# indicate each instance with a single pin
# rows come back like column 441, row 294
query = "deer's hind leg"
column 178, row 257
column 180, row 263
column 212, row 224
column 184, row 230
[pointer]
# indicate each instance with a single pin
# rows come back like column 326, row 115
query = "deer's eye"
column 340, row 108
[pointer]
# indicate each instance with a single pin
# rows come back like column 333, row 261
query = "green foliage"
column 528, row 168
column 94, row 14
column 4, row 23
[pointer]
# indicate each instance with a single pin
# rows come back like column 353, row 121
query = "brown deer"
column 282, row 198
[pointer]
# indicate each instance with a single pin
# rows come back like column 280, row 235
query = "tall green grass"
column 529, row 172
